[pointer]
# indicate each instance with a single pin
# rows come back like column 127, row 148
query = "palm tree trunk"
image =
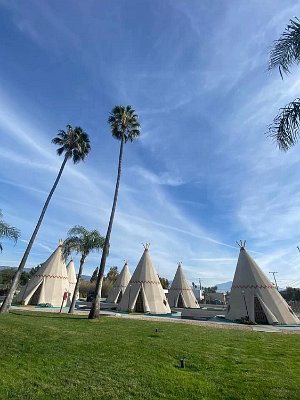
column 8, row 300
column 76, row 290
column 95, row 310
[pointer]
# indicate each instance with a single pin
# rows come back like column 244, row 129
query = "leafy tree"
column 7, row 231
column 74, row 144
column 125, row 126
column 164, row 282
column 81, row 241
column 106, row 287
column 86, row 288
column 286, row 52
column 7, row 276
column 212, row 289
column 95, row 274
column 291, row 294
column 112, row 274
column 109, row 280
column 107, row 283
column 24, row 278
column 33, row 270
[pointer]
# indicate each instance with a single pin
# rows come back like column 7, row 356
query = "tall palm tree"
column 81, row 241
column 75, row 145
column 7, row 231
column 125, row 126
column 285, row 53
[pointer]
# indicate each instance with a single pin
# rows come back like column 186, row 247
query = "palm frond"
column 286, row 126
column 74, row 143
column 77, row 156
column 286, row 50
column 133, row 134
column 78, row 230
column 60, row 150
column 57, row 140
column 81, row 240
column 72, row 244
column 124, row 123
column 9, row 232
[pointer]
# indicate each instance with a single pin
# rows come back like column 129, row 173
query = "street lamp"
column 243, row 293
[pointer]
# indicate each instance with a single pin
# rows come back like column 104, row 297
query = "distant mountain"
column 223, row 287
column 7, row 266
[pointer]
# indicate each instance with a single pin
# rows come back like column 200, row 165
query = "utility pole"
column 200, row 283
column 274, row 272
column 200, row 289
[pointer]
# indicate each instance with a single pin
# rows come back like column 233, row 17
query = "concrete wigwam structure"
column 181, row 294
column 117, row 291
column 48, row 284
column 253, row 297
column 144, row 292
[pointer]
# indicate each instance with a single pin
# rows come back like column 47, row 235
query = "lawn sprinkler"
column 182, row 362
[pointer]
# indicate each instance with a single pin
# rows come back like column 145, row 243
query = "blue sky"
column 202, row 175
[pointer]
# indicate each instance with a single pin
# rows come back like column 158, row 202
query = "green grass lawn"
column 50, row 356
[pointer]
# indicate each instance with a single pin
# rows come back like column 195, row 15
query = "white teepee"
column 48, row 284
column 72, row 281
column 144, row 292
column 117, row 291
column 254, row 297
column 181, row 294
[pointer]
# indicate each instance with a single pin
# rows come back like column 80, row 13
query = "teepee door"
column 180, row 301
column 119, row 297
column 36, row 296
column 139, row 305
column 260, row 316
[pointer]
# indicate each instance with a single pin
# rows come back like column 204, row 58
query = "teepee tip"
column 241, row 244
column 146, row 246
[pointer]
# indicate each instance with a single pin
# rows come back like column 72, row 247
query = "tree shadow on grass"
column 36, row 314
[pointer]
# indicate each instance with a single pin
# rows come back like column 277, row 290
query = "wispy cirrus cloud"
column 203, row 173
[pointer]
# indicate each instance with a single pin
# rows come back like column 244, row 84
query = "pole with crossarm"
column 274, row 272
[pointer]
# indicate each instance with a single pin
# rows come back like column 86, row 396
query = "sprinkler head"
column 182, row 362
